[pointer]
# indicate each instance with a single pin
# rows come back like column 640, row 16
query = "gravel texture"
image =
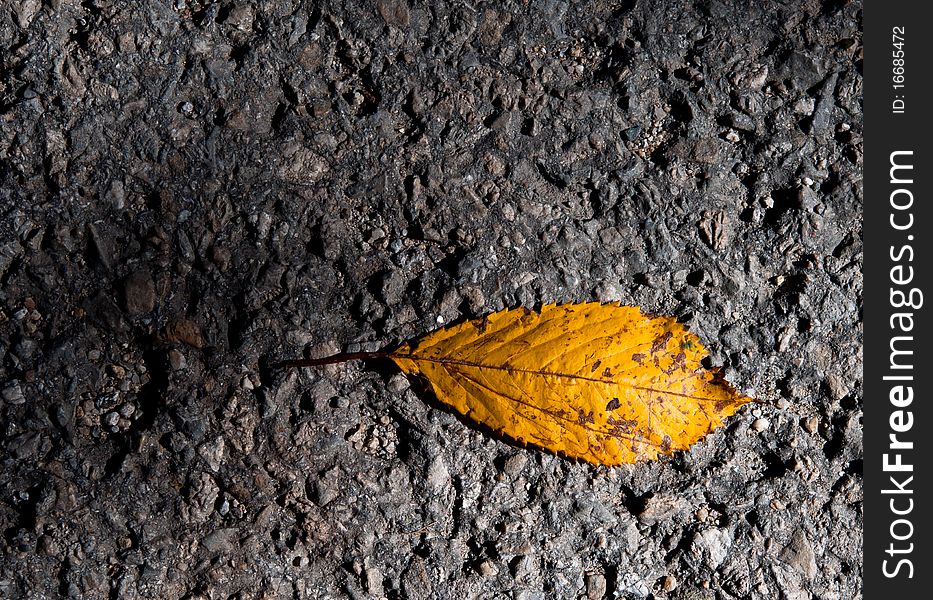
column 191, row 191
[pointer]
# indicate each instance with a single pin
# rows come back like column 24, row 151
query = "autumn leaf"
column 604, row 383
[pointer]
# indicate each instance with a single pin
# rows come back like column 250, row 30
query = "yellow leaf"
column 604, row 383
column 600, row 382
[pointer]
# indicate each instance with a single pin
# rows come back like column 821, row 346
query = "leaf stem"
column 330, row 360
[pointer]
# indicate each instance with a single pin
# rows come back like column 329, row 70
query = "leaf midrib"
column 470, row 363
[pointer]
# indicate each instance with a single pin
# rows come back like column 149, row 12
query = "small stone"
column 487, row 568
column 25, row 11
column 515, row 464
column 176, row 360
column 836, row 386
column 304, row 167
column 139, row 293
column 495, row 165
column 807, row 198
column 220, row 540
column 760, row 425
column 595, row 586
column 222, row 258
column 522, row 566
column 73, row 82
column 660, row 508
column 213, row 453
column 394, row 12
column 202, row 495
column 715, row 229
column 398, row 383
column 126, row 42
column 25, row 446
column 111, row 418
column 438, row 477
column 13, row 393
column 241, row 17
column 327, row 488
column 393, row 285
column 757, row 76
column 631, row 134
column 474, row 298
column 668, row 583
column 712, row 545
column 630, row 538
column 373, row 580
column 48, row 546
column 804, row 106
column 117, row 194
column 798, row 554
column 608, row 291
column 740, row 121
column 184, row 331
column 631, row 585
column 810, row 424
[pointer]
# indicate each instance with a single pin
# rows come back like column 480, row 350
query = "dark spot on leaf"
column 595, row 366
column 613, row 404
column 607, row 373
column 583, row 418
column 638, row 357
column 661, row 342
column 679, row 362
column 621, row 427
column 666, row 443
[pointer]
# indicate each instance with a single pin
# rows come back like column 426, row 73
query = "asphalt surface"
column 192, row 191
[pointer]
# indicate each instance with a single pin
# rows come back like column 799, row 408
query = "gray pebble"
column 437, row 476
column 139, row 293
column 13, row 393
column 798, row 554
column 711, row 545
column 398, row 383
column 220, row 541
